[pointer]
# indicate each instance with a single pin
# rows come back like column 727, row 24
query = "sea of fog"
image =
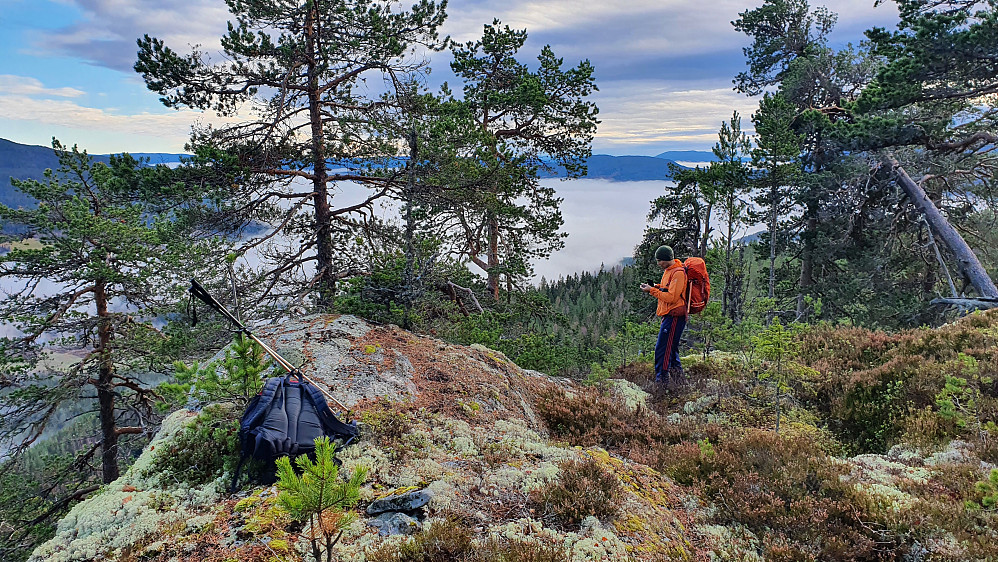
column 604, row 221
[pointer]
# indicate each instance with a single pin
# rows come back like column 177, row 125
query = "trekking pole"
column 201, row 294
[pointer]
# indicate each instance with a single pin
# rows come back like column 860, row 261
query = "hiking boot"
column 677, row 375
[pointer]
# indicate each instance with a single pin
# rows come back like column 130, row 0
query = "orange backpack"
column 697, row 285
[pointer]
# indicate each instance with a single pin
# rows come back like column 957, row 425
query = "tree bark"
column 807, row 262
column 968, row 263
column 326, row 282
column 410, row 229
column 772, row 241
column 105, row 387
column 705, row 238
column 492, row 270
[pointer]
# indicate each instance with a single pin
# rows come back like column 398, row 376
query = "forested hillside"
column 837, row 399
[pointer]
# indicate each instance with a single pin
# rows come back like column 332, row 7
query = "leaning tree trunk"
column 969, row 265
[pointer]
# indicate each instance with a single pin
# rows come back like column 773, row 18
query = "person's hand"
column 645, row 287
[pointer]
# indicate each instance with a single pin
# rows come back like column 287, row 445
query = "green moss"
column 247, row 503
column 279, row 545
column 207, row 448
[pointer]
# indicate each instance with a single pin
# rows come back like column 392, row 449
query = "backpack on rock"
column 286, row 418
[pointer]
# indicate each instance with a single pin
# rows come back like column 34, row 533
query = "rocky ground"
column 452, row 435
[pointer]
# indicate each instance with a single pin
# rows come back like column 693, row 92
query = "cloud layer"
column 664, row 67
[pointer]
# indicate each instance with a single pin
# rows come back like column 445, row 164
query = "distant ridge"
column 623, row 168
column 30, row 162
column 688, row 155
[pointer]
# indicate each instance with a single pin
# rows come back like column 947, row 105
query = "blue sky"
column 664, row 67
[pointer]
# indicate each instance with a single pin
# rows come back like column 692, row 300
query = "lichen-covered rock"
column 629, row 393
column 407, row 501
column 129, row 511
column 394, row 523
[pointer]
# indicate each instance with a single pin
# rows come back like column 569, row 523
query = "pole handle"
column 204, row 296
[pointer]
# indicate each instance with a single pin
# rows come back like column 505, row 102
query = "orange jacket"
column 672, row 299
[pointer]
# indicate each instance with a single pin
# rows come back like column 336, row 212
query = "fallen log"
column 967, row 304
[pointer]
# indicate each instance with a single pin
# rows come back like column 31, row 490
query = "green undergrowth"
column 204, row 450
column 451, row 539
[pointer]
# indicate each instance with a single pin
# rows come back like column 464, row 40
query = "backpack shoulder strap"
column 255, row 410
column 333, row 426
column 260, row 403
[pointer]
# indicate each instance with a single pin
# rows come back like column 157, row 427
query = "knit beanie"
column 664, row 253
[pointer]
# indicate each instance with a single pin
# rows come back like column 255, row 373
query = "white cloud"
column 107, row 33
column 609, row 28
column 673, row 27
column 644, row 112
column 162, row 132
column 27, row 86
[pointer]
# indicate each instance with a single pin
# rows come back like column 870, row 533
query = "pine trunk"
column 772, row 242
column 705, row 238
column 807, row 262
column 493, row 269
column 968, row 263
column 105, row 387
column 326, row 278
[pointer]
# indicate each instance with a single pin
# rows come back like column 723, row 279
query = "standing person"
column 671, row 295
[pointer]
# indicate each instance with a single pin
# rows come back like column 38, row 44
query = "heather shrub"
column 506, row 550
column 785, row 489
column 445, row 540
column 875, row 388
column 590, row 417
column 586, row 418
column 584, row 488
column 386, row 424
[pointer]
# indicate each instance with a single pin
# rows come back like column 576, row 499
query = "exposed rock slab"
column 409, row 501
column 394, row 523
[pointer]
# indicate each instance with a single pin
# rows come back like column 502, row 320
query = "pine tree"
column 300, row 66
column 731, row 150
column 105, row 254
column 317, row 497
column 505, row 218
column 777, row 159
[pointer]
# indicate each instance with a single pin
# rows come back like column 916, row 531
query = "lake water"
column 604, row 221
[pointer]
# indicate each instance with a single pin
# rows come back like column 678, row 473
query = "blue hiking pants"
column 667, row 346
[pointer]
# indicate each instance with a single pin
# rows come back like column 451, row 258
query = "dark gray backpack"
column 286, row 418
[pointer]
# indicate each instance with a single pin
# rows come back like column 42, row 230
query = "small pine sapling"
column 776, row 344
column 988, row 489
column 318, row 497
column 244, row 366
